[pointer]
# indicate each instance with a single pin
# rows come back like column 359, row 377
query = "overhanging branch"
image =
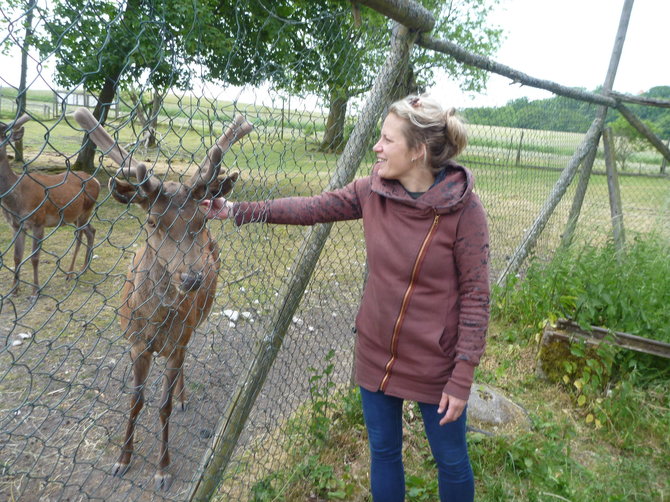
column 472, row 59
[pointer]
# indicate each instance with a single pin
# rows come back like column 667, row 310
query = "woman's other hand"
column 454, row 408
column 218, row 209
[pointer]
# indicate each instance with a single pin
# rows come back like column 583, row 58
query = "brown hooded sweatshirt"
column 423, row 317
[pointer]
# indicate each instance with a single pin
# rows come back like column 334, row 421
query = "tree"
column 628, row 140
column 344, row 54
column 154, row 45
column 26, row 21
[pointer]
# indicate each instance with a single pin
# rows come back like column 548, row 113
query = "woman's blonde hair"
column 442, row 131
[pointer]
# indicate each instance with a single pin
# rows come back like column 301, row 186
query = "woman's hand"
column 454, row 408
column 218, row 208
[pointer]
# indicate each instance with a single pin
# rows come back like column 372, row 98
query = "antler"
column 4, row 128
column 211, row 166
column 21, row 120
column 110, row 147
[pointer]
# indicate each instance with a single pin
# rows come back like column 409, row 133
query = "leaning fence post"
column 230, row 427
column 531, row 236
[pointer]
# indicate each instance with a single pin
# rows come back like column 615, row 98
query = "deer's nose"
column 191, row 281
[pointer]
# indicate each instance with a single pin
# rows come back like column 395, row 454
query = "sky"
column 568, row 41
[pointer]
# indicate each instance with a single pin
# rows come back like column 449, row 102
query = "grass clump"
column 623, row 291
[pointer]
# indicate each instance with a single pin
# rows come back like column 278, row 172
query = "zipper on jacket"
column 405, row 302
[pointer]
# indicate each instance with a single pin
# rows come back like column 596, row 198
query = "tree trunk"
column 333, row 138
column 405, row 85
column 153, row 119
column 85, row 159
column 21, row 100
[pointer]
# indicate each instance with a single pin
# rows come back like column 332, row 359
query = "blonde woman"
column 424, row 314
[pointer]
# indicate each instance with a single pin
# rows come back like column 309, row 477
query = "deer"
column 172, row 279
column 32, row 201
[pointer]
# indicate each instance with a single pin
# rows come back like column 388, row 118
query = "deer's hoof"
column 162, row 481
column 119, row 469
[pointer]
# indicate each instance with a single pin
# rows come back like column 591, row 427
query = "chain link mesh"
column 65, row 372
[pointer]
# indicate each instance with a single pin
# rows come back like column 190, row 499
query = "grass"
column 561, row 458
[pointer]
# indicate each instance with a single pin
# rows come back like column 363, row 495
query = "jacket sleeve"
column 336, row 205
column 472, row 263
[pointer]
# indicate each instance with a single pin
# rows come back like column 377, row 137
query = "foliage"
column 330, row 414
column 628, row 140
column 592, row 285
column 464, row 23
column 595, row 286
column 559, row 113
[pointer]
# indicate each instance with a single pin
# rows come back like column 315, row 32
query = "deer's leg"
column 180, row 391
column 38, row 235
column 77, row 244
column 19, row 246
column 173, row 368
column 141, row 358
column 89, row 230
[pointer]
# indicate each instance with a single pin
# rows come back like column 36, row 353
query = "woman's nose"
column 377, row 147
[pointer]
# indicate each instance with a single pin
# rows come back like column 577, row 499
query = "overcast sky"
column 567, row 41
column 570, row 42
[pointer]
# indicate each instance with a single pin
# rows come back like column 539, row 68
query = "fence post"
column 616, row 210
column 518, row 150
column 590, row 141
column 530, row 238
column 230, row 427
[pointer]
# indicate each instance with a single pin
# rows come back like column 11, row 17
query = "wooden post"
column 533, row 233
column 232, row 423
column 590, row 141
column 580, row 193
column 518, row 150
column 614, row 192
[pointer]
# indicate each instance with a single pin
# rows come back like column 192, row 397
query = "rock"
column 492, row 412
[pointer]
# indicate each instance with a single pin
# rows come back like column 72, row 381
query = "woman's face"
column 394, row 157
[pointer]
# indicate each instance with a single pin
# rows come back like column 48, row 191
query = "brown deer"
column 171, row 283
column 32, row 201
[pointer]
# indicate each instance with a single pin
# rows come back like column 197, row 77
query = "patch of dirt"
column 65, row 398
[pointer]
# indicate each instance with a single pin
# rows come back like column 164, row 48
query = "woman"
column 423, row 317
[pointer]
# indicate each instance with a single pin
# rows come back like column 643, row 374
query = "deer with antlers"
column 32, row 201
column 171, row 282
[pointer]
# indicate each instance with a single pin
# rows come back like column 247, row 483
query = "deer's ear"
column 17, row 134
column 126, row 192
column 217, row 188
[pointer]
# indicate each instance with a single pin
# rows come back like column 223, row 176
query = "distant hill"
column 565, row 114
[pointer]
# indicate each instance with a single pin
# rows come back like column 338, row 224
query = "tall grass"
column 596, row 285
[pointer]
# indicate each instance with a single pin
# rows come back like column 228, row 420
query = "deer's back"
column 49, row 200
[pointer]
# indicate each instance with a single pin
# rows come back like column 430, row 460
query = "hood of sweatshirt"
column 450, row 193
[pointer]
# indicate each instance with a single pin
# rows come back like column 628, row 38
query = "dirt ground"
column 64, row 402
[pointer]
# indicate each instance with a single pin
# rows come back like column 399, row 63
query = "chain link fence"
column 280, row 327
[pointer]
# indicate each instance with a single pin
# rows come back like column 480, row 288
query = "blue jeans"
column 383, row 419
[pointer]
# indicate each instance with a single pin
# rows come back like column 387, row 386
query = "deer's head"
column 175, row 223
column 16, row 129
